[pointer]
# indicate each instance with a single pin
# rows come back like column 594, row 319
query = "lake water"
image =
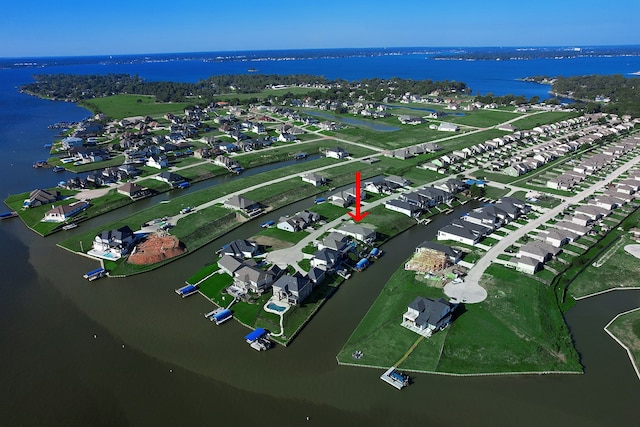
column 130, row 351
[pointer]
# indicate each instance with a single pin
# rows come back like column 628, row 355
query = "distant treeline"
column 75, row 88
column 606, row 93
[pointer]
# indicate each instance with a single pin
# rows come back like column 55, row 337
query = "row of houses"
column 473, row 226
column 549, row 243
column 420, row 200
column 592, row 164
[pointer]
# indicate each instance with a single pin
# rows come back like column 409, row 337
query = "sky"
column 76, row 28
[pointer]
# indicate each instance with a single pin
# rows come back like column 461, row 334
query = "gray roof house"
column 527, row 265
column 230, row 264
column 403, row 207
column 539, row 251
column 240, row 248
column 463, row 232
column 298, row 222
column 241, row 203
column 253, row 279
column 335, row 241
column 325, row 259
column 426, row 316
column 292, row 289
column 39, row 197
column 358, row 232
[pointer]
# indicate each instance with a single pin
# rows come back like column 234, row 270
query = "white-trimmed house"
column 292, row 289
column 426, row 316
column 117, row 242
column 157, row 161
column 403, row 207
column 314, row 179
column 61, row 213
column 336, row 153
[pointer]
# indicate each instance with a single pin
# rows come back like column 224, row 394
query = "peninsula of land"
column 551, row 191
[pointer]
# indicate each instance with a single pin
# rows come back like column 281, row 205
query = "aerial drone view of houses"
column 534, row 194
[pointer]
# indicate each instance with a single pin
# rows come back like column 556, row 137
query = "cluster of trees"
column 508, row 99
column 78, row 87
column 607, row 93
column 71, row 87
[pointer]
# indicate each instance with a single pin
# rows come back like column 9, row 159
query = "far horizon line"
column 111, row 55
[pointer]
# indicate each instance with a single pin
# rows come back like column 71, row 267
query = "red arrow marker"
column 358, row 216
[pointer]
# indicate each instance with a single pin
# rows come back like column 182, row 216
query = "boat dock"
column 7, row 215
column 95, row 274
column 186, row 291
column 259, row 339
column 69, row 226
column 219, row 315
column 395, row 378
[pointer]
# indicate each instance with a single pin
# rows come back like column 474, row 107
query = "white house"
column 157, row 161
column 63, row 212
column 337, row 153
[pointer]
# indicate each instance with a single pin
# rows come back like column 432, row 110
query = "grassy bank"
column 519, row 328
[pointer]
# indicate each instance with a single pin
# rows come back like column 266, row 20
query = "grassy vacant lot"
column 533, row 120
column 328, row 211
column 627, row 329
column 519, row 328
column 619, row 270
column 387, row 223
column 121, row 106
column 482, row 118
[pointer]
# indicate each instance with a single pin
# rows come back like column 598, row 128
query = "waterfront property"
column 431, row 256
column 113, row 244
column 426, row 315
column 298, row 222
column 39, row 197
column 358, row 232
column 292, row 289
column 240, row 248
column 62, row 213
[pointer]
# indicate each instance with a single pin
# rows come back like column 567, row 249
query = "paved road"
column 475, row 274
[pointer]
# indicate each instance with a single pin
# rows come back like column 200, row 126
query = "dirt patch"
column 155, row 248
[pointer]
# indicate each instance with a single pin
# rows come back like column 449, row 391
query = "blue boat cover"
column 188, row 288
column 96, row 271
column 362, row 263
column 222, row 314
column 259, row 332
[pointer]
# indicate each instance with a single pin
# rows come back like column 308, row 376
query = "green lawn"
column 620, row 270
column 285, row 236
column 533, row 120
column 519, row 328
column 121, row 106
column 387, row 223
column 482, row 118
column 329, row 211
column 627, row 329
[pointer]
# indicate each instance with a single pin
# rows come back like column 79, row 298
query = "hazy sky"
column 72, row 27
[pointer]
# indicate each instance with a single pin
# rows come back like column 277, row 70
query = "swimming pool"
column 276, row 307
